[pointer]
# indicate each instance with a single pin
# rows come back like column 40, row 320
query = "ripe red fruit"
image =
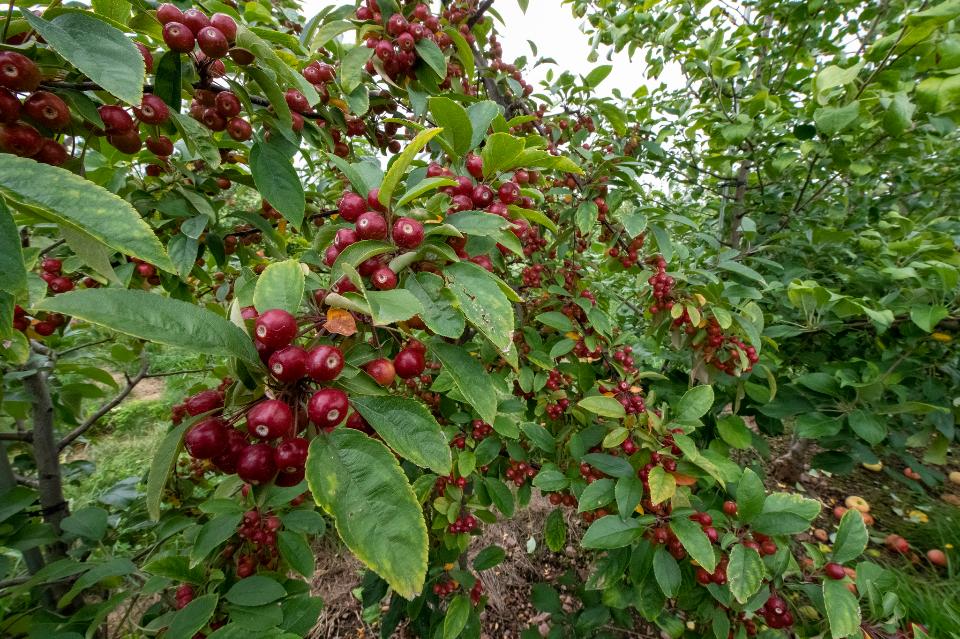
column 226, row 460
column 152, row 110
column 344, row 238
column 178, row 37
column 482, row 196
column 384, row 50
column 212, row 42
column 373, row 200
column 161, row 146
column 730, row 508
column 51, row 265
column 206, row 439
column 508, row 192
column 20, row 139
column 255, row 464
column 127, row 142
column 61, row 284
column 384, row 279
column 296, row 101
column 406, row 42
column 397, row 24
column 227, row 104
column 169, row 13
column 351, row 206
column 18, row 72
column 239, row 129
column 371, row 226
column 146, row 55
column 834, row 571
column 9, row 106
column 328, row 407
column 474, row 164
column 937, row 557
column 44, row 328
column 195, row 20
column 703, row 577
column 381, row 370
column 225, row 24
column 203, row 402
column 115, row 119
column 768, row 547
column 407, row 233
column 324, row 363
column 288, row 364
column 275, row 328
column 409, row 362
column 47, row 109
column 51, row 152
column 270, row 419
column 291, row 455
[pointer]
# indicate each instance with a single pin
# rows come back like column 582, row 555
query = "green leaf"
column 695, row 403
column 734, row 431
column 430, row 53
column 424, row 186
column 89, row 523
column 277, row 180
column 256, row 590
column 198, row 139
column 390, row 307
column 500, row 495
column 116, row 567
column 351, row 67
column 598, row 75
column 482, row 302
column 550, row 478
column 328, row 32
column 832, row 120
column 751, row 496
column 402, row 162
column 786, row 514
column 168, row 79
column 296, row 551
column 409, row 428
column 927, row 317
column 304, row 521
column 629, row 492
column 469, row 377
column 157, row 319
column 438, row 313
column 609, row 464
column 280, row 286
column 851, row 539
column 555, row 531
column 464, row 52
column 599, row 493
column 740, row 269
column 539, row 436
column 458, row 611
column 161, row 465
column 663, row 485
column 843, row 609
column 744, row 572
column 101, row 52
column 188, row 621
column 666, row 571
column 455, row 122
column 695, row 541
column 68, row 199
column 611, row 532
column 867, row 426
column 13, row 274
column 359, row 482
column 212, row 534
column 481, row 114
column 356, row 253
column 489, row 557
column 603, row 406
column 499, row 152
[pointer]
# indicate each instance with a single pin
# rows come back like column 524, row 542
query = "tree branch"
column 107, row 407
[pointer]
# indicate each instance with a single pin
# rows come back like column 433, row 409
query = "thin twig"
column 103, row 410
column 73, row 349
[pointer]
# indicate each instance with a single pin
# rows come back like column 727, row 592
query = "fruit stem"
column 6, row 24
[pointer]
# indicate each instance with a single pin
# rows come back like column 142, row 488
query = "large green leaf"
column 102, row 52
column 695, row 403
column 277, row 180
column 469, row 376
column 390, row 307
column 68, row 199
column 499, row 152
column 255, row 591
column 612, row 532
column 745, row 572
column 851, row 538
column 402, row 162
column 13, row 274
column 843, row 609
column 188, row 621
column 751, row 495
column 482, row 301
column 438, row 313
column 695, row 541
column 161, row 465
column 359, row 482
column 213, row 533
column 786, row 514
column 156, row 319
column 408, row 428
column 453, row 118
column 666, row 571
column 481, row 114
column 280, row 286
column 603, row 406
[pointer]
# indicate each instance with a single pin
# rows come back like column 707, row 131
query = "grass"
column 930, row 599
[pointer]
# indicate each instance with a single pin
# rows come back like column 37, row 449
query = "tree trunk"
column 31, row 557
column 788, row 467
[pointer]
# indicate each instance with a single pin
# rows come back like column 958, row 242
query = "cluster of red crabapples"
column 463, row 524
column 46, row 110
column 519, row 472
column 447, row 587
column 630, row 397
